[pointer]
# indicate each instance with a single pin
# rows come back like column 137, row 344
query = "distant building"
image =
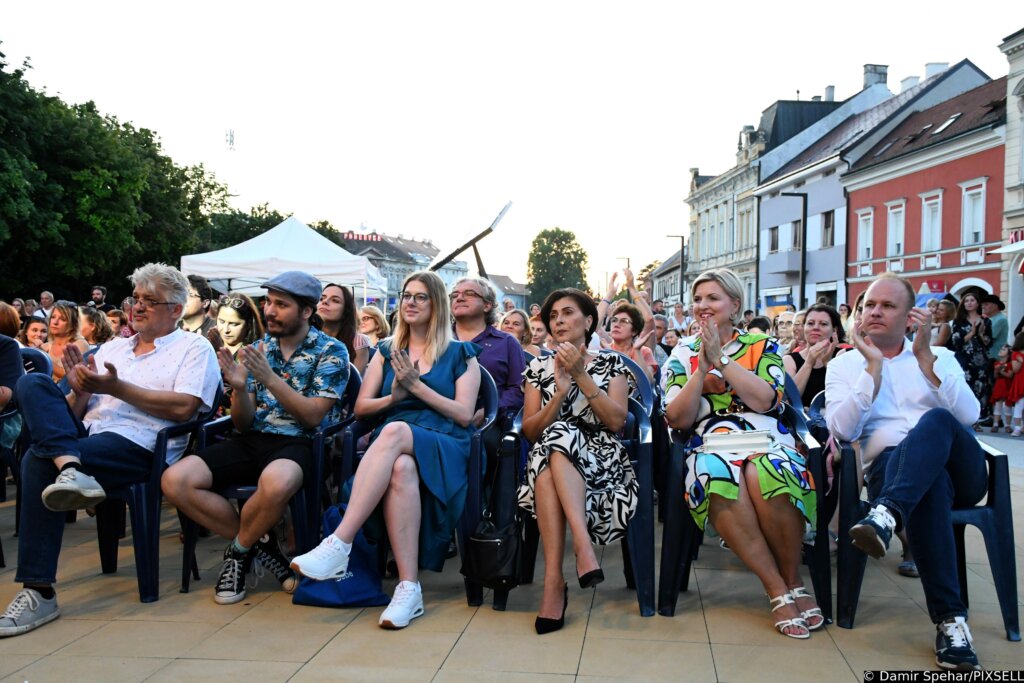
column 508, row 289
column 665, row 282
column 926, row 200
column 397, row 257
column 1012, row 281
column 812, row 176
column 723, row 209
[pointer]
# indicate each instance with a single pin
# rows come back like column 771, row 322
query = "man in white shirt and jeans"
column 911, row 409
column 104, row 432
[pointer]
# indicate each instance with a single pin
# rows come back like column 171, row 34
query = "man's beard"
column 284, row 330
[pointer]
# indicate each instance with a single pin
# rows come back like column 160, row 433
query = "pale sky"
column 424, row 118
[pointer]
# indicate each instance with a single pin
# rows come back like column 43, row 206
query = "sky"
column 424, row 118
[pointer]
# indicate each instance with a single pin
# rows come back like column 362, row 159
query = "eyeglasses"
column 465, row 294
column 420, row 298
column 785, row 323
column 365, row 318
column 622, row 321
column 144, row 304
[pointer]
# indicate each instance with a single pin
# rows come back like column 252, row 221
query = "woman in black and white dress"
column 578, row 471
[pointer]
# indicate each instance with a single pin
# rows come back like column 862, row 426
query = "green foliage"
column 556, row 260
column 645, row 273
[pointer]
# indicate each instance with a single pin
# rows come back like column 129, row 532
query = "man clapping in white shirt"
column 911, row 409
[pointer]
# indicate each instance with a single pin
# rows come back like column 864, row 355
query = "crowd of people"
column 120, row 374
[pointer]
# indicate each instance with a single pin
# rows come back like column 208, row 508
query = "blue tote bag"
column 359, row 587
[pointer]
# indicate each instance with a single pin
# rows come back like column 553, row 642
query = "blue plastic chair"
column 682, row 537
column 994, row 518
column 143, row 501
column 306, row 505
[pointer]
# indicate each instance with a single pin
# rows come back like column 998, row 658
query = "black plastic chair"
column 682, row 537
column 306, row 505
column 143, row 501
column 994, row 518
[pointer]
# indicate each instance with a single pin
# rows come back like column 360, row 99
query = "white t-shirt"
column 182, row 362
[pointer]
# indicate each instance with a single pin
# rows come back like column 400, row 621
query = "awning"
column 1011, row 248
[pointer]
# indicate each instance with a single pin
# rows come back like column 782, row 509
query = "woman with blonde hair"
column 64, row 330
column 745, row 475
column 424, row 385
column 516, row 323
column 373, row 324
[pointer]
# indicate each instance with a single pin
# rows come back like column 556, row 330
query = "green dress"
column 782, row 470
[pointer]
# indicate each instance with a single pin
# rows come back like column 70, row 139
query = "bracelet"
column 606, row 301
column 594, row 395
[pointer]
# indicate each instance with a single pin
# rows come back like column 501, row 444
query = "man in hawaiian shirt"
column 284, row 388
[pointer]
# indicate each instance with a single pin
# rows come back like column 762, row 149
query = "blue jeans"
column 54, row 430
column 938, row 466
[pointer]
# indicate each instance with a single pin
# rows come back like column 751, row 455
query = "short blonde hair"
column 383, row 329
column 729, row 283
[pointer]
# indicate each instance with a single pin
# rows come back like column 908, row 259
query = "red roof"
column 983, row 107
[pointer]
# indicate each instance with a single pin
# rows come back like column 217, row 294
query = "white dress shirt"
column 182, row 362
column 903, row 397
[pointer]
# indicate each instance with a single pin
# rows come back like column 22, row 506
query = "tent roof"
column 292, row 245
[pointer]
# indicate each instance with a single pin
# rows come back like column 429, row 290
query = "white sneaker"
column 329, row 560
column 406, row 605
column 73, row 490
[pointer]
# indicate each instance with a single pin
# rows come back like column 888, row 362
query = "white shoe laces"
column 405, row 594
column 67, row 476
column 230, row 574
column 329, row 549
column 23, row 600
column 958, row 632
column 881, row 514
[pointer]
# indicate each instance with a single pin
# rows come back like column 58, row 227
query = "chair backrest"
column 352, row 386
column 528, row 357
column 487, row 398
column 644, row 391
column 817, row 406
column 35, row 360
column 792, row 394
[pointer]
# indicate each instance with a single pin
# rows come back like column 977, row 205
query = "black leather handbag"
column 492, row 554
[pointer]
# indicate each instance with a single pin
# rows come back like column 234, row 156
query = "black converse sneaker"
column 267, row 554
column 231, row 583
column 954, row 647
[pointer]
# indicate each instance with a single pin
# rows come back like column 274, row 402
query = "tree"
column 556, row 260
column 643, row 278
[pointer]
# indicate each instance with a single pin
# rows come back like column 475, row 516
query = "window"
column 711, row 237
column 773, row 239
column 797, row 233
column 946, row 125
column 973, row 219
column 828, row 229
column 703, row 236
column 894, row 243
column 931, row 222
column 731, row 241
column 865, row 234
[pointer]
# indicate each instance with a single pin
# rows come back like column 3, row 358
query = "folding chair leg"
column 998, row 541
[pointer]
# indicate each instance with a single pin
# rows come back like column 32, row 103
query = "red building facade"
column 927, row 201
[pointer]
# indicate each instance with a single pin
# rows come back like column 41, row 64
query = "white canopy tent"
column 292, row 245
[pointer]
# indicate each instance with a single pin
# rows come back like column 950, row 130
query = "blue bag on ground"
column 359, row 587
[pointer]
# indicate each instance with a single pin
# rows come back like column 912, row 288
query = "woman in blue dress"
column 424, row 384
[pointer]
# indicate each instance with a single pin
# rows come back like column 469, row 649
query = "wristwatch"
column 724, row 360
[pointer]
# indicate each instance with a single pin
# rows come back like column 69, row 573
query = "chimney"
column 830, row 93
column 816, row 98
column 934, row 68
column 875, row 74
column 908, row 83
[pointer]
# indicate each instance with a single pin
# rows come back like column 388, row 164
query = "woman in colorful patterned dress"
column 723, row 381
column 578, row 471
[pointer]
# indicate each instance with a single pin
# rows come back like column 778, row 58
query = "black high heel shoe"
column 546, row 625
column 591, row 578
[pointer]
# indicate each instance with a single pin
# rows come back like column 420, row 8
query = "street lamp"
column 803, row 245
column 682, row 265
